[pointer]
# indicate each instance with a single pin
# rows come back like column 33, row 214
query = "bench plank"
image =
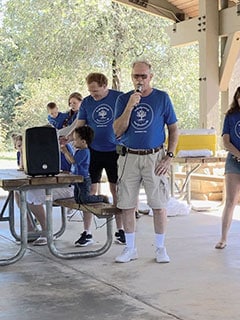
column 100, row 209
column 202, row 177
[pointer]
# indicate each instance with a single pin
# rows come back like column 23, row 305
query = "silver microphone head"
column 139, row 88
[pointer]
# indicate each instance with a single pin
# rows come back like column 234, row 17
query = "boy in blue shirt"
column 80, row 160
column 55, row 118
column 17, row 140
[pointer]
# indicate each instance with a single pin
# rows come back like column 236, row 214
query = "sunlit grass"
column 8, row 155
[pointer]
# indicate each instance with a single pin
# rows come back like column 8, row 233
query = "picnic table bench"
column 100, row 210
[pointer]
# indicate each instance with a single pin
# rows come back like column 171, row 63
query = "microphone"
column 139, row 88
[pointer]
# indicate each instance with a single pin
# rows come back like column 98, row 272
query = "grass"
column 8, row 155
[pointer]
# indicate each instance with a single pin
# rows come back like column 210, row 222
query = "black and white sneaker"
column 137, row 214
column 120, row 237
column 84, row 240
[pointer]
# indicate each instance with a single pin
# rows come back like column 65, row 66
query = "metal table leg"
column 23, row 233
column 74, row 254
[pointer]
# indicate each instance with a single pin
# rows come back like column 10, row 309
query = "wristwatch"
column 170, row 154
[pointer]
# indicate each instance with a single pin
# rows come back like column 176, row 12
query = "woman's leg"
column 232, row 182
column 39, row 212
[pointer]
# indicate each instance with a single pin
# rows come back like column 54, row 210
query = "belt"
column 143, row 152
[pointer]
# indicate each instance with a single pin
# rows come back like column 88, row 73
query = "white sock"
column 159, row 240
column 130, row 240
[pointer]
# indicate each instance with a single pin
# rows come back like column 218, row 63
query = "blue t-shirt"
column 99, row 116
column 65, row 165
column 70, row 116
column 231, row 126
column 58, row 121
column 82, row 162
column 148, row 119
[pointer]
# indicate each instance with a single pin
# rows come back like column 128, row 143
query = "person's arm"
column 121, row 124
column 229, row 146
column 69, row 157
column 163, row 166
column 172, row 137
column 78, row 123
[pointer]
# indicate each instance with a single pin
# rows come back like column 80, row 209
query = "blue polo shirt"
column 99, row 116
column 148, row 119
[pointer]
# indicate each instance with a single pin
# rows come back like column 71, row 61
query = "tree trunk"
column 115, row 75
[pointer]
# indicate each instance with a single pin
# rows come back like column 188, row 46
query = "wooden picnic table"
column 191, row 165
column 14, row 180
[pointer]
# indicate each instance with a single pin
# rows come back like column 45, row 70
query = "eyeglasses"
column 143, row 76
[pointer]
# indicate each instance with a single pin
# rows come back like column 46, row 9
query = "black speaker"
column 41, row 154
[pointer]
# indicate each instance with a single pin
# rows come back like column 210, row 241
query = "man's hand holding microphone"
column 136, row 96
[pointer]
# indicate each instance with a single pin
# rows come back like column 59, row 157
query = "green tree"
column 50, row 46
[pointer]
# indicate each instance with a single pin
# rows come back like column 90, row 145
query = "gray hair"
column 142, row 61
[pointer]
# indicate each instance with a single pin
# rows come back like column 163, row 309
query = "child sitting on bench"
column 80, row 160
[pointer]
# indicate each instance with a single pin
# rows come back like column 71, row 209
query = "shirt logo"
column 237, row 129
column 102, row 115
column 142, row 116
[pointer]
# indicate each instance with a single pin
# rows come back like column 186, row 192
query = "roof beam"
column 184, row 32
column 188, row 31
column 157, row 7
column 208, row 64
column 229, row 21
column 229, row 58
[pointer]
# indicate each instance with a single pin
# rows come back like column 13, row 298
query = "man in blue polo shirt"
column 141, row 116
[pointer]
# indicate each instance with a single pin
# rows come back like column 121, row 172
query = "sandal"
column 220, row 245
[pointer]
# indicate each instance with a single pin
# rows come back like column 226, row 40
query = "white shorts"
column 37, row 196
column 134, row 170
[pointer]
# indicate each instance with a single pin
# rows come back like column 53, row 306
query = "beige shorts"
column 134, row 170
column 38, row 196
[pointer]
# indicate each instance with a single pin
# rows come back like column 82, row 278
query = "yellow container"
column 197, row 139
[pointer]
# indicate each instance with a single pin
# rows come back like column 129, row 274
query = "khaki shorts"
column 134, row 170
column 38, row 196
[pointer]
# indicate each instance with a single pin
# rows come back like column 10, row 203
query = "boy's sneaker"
column 120, row 237
column 105, row 199
column 162, row 256
column 137, row 214
column 127, row 255
column 84, row 240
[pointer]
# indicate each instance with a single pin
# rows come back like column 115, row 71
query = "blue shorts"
column 231, row 165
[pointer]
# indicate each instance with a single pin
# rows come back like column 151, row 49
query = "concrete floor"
column 200, row 282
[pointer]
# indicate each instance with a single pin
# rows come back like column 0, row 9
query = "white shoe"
column 127, row 255
column 162, row 256
column 41, row 241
